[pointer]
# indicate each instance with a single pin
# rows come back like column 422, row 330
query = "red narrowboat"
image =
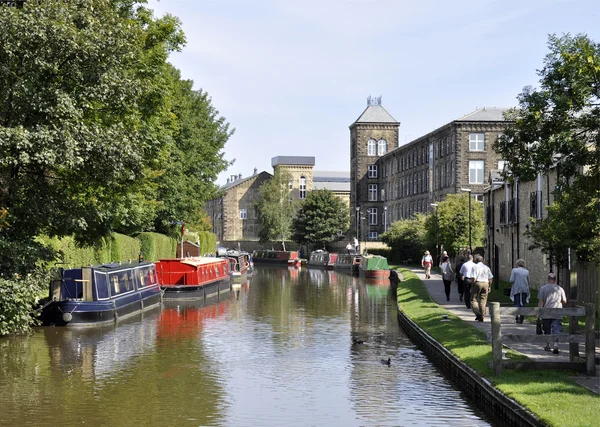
column 193, row 278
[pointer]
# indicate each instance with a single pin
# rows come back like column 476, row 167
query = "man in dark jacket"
column 459, row 280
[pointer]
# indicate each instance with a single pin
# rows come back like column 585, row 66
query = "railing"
column 587, row 311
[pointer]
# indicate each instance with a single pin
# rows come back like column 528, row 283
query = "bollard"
column 496, row 339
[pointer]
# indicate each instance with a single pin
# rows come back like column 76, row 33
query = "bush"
column 155, row 246
column 18, row 298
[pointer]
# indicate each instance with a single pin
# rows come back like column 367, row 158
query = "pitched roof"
column 375, row 114
column 238, row 181
column 484, row 114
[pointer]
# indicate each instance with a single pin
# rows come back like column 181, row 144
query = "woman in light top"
column 426, row 262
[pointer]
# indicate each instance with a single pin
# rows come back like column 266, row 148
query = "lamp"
column 437, row 229
column 468, row 190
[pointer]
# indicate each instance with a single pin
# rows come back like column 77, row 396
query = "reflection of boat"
column 193, row 278
column 103, row 351
column 184, row 319
column 374, row 266
column 95, row 295
column 377, row 281
column 279, row 257
column 377, row 291
column 320, row 258
column 349, row 262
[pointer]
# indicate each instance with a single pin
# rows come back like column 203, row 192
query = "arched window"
column 372, row 147
column 381, row 147
column 302, row 187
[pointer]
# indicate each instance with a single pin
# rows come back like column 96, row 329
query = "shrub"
column 18, row 299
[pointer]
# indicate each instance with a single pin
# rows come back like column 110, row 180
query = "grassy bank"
column 552, row 396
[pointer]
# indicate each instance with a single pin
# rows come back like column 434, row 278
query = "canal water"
column 289, row 347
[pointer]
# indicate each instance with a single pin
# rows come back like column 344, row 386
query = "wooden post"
column 573, row 326
column 496, row 338
column 590, row 340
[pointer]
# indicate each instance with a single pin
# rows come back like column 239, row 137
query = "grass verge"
column 552, row 396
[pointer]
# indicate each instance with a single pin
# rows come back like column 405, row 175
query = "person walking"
column 551, row 296
column 447, row 275
column 426, row 262
column 467, row 273
column 459, row 281
column 482, row 285
column 519, row 291
column 349, row 248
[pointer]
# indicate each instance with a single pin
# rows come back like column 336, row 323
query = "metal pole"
column 470, row 247
column 437, row 233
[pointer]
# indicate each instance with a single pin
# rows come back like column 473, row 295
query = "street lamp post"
column 357, row 224
column 468, row 190
column 437, row 230
column 385, row 218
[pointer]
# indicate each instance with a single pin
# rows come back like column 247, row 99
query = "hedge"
column 155, row 246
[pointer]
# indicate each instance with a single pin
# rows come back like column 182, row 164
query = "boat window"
column 147, row 276
column 121, row 282
column 101, row 285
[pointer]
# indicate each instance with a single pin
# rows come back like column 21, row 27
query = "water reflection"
column 293, row 346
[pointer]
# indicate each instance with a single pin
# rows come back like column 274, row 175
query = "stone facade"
column 408, row 179
column 233, row 215
column 509, row 209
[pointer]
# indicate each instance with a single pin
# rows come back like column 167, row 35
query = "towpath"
column 435, row 287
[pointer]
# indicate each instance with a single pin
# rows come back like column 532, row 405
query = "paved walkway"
column 435, row 287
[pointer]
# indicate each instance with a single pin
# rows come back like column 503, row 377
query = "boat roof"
column 115, row 266
column 196, row 261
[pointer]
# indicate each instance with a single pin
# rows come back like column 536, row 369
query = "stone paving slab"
column 435, row 287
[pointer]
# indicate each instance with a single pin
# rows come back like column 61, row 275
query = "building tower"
column 372, row 135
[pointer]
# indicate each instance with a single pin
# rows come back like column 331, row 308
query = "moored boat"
column 349, row 262
column 320, row 258
column 278, row 257
column 102, row 294
column 193, row 278
column 374, row 266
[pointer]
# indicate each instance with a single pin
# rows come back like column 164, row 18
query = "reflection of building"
column 389, row 182
column 233, row 214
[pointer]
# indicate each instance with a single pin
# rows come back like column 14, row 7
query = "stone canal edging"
column 488, row 398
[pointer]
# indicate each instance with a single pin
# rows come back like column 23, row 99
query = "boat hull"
column 192, row 292
column 374, row 266
column 97, row 313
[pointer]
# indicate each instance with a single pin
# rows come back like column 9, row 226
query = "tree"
column 276, row 207
column 451, row 226
column 557, row 126
column 195, row 157
column 321, row 217
column 406, row 238
column 84, row 120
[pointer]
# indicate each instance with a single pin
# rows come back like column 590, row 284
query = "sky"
column 291, row 76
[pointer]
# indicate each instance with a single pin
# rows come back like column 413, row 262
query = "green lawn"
column 552, row 395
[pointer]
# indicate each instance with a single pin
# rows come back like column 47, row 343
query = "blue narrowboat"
column 97, row 295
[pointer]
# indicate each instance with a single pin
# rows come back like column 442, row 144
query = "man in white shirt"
column 481, row 288
column 467, row 273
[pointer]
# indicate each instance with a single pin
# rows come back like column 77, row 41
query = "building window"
column 372, row 147
column 372, row 192
column 302, row 187
column 373, row 216
column 381, row 147
column 476, row 141
column 291, row 184
column 243, row 214
column 476, row 172
column 373, row 235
